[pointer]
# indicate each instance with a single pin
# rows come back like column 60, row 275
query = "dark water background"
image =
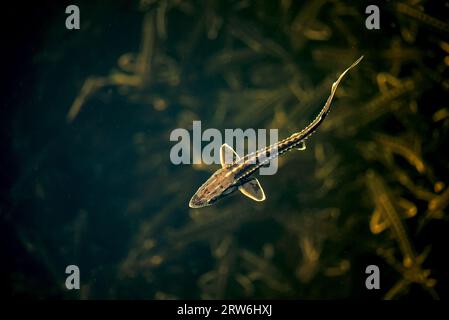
column 101, row 193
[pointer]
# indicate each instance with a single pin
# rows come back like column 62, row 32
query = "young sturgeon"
column 237, row 173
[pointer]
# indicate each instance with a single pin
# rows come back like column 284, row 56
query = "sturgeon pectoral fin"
column 253, row 190
column 227, row 155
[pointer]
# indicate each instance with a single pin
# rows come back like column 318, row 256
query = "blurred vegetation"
column 96, row 188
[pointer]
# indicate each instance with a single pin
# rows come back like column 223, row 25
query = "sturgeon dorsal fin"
column 227, row 155
column 253, row 190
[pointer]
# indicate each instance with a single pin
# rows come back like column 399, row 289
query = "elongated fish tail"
column 325, row 110
column 335, row 85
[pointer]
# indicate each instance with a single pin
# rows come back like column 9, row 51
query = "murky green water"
column 99, row 191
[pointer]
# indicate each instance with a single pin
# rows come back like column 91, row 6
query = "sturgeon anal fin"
column 227, row 155
column 253, row 190
column 301, row 146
